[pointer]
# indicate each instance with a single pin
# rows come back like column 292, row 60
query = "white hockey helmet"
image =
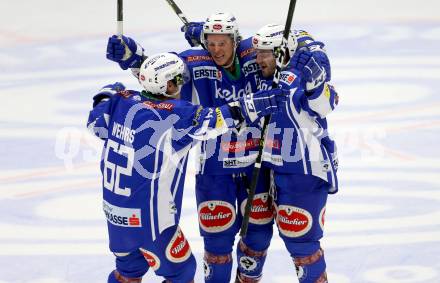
column 158, row 69
column 270, row 36
column 221, row 23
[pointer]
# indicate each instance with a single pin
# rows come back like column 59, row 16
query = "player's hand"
column 124, row 51
column 193, row 33
column 262, row 103
column 107, row 91
column 313, row 73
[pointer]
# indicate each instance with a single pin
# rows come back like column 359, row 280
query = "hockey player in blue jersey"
column 301, row 154
column 223, row 73
column 251, row 251
column 147, row 136
column 218, row 76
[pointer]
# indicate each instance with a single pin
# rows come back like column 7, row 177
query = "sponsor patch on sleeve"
column 287, row 77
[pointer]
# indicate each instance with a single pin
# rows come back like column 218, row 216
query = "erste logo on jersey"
column 250, row 67
column 216, row 215
column 208, row 72
column 178, row 250
column 261, row 212
column 152, row 259
column 287, row 77
column 293, row 221
column 121, row 216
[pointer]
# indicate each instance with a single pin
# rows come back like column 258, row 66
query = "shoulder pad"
column 126, row 93
column 245, row 48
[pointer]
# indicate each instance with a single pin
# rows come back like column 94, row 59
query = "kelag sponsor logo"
column 120, row 216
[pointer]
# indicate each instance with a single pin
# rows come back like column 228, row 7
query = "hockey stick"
column 179, row 12
column 181, row 16
column 120, row 18
column 280, row 53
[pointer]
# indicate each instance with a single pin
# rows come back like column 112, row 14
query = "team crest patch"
column 293, row 221
column 207, row 270
column 300, row 272
column 178, row 250
column 248, row 263
column 152, row 259
column 216, row 215
column 322, row 218
column 261, row 212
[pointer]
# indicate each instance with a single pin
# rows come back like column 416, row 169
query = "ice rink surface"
column 382, row 227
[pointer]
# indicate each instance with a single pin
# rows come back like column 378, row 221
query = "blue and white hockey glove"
column 106, row 92
column 126, row 52
column 193, row 33
column 313, row 72
column 262, row 103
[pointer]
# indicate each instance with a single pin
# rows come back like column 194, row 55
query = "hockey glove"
column 126, row 52
column 193, row 33
column 262, row 103
column 313, row 74
column 106, row 92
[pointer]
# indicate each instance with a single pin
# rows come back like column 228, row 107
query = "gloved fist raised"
column 313, row 72
column 262, row 103
column 107, row 91
column 193, row 33
column 124, row 51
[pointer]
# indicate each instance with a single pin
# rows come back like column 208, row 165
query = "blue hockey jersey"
column 146, row 144
column 297, row 140
column 212, row 86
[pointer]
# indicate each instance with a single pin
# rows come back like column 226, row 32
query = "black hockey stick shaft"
column 181, row 16
column 178, row 11
column 276, row 79
column 120, row 18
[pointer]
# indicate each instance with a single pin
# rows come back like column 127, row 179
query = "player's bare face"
column 266, row 61
column 221, row 48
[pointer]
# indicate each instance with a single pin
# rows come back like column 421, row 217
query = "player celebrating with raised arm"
column 304, row 161
column 225, row 162
column 224, row 72
column 147, row 136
